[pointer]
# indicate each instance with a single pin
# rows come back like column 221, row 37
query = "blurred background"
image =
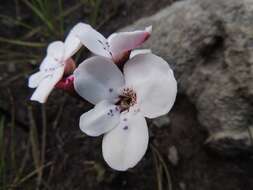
column 42, row 147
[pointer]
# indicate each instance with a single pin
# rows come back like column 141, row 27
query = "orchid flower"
column 117, row 46
column 57, row 62
column 146, row 88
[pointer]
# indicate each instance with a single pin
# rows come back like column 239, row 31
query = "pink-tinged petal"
column 101, row 119
column 139, row 51
column 93, row 40
column 122, row 59
column 70, row 66
column 125, row 145
column 56, row 50
column 72, row 43
column 125, row 41
column 49, row 63
column 154, row 82
column 47, row 85
column 35, row 79
column 66, row 84
column 97, row 79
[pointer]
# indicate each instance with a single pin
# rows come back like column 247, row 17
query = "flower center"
column 126, row 99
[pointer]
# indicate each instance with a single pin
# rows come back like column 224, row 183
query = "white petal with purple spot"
column 125, row 145
column 97, row 79
column 101, row 119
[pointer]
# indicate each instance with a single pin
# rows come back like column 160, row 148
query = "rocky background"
column 204, row 143
column 211, row 44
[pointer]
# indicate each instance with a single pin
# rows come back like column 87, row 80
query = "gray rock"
column 211, row 42
column 173, row 155
column 163, row 121
column 182, row 186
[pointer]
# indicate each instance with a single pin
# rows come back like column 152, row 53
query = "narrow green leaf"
column 2, row 156
column 22, row 43
column 40, row 14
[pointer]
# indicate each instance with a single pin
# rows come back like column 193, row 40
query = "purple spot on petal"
column 111, row 90
column 110, row 113
column 125, row 127
column 125, row 119
column 100, row 42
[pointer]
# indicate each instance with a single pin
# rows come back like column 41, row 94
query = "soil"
column 75, row 160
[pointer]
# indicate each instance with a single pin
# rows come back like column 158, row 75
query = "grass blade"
column 43, row 144
column 40, row 14
column 60, row 5
column 34, row 141
column 64, row 14
column 22, row 43
column 2, row 156
column 163, row 165
column 95, row 12
column 31, row 174
column 8, row 20
column 13, row 130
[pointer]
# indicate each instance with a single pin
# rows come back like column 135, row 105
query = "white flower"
column 146, row 89
column 57, row 62
column 139, row 51
column 58, row 59
column 117, row 46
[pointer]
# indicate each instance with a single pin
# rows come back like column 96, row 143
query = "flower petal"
column 35, row 79
column 67, row 84
column 70, row 66
column 49, row 63
column 93, row 40
column 125, row 145
column 154, row 83
column 139, row 51
column 101, row 119
column 47, row 85
column 97, row 79
column 72, row 43
column 125, row 41
column 56, row 50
